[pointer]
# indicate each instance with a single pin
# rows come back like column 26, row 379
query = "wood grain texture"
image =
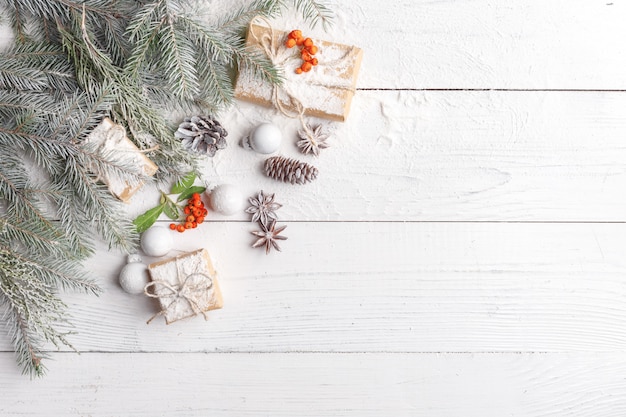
column 481, row 44
column 391, row 287
column 363, row 385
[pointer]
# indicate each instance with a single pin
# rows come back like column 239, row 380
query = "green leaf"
column 147, row 219
column 189, row 191
column 171, row 210
column 184, row 183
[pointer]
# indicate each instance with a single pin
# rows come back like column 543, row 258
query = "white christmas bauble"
column 157, row 241
column 265, row 138
column 226, row 199
column 134, row 277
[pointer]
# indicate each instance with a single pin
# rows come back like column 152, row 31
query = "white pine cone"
column 290, row 170
column 202, row 134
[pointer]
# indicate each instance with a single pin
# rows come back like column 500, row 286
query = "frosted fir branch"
column 143, row 49
column 45, row 149
column 178, row 62
column 48, row 59
column 55, row 272
column 13, row 179
column 33, row 310
column 79, row 42
column 63, row 134
column 219, row 45
column 88, row 76
column 84, row 112
column 24, row 219
column 258, row 64
column 33, row 54
column 58, row 137
column 155, row 92
column 110, row 34
column 142, row 119
column 27, row 344
column 238, row 20
column 71, row 221
column 138, row 113
column 30, row 222
column 315, row 11
column 14, row 76
column 217, row 86
column 143, row 22
column 14, row 103
column 17, row 22
column 99, row 206
column 131, row 104
column 36, row 236
column 155, row 36
column 55, row 9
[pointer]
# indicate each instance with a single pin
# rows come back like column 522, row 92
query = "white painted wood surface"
column 461, row 254
column 314, row 384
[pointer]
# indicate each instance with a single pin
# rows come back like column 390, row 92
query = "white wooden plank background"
column 461, row 254
column 397, row 287
column 314, row 384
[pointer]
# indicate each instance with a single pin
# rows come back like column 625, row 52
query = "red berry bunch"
column 195, row 212
column 307, row 50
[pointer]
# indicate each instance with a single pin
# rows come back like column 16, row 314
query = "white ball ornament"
column 226, row 199
column 157, row 241
column 265, row 139
column 134, row 277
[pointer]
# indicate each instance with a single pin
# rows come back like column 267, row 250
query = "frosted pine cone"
column 202, row 134
column 290, row 170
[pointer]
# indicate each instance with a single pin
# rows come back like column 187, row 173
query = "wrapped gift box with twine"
column 110, row 138
column 185, row 286
column 326, row 91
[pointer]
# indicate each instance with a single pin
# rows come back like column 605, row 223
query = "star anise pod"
column 262, row 207
column 268, row 236
column 312, row 140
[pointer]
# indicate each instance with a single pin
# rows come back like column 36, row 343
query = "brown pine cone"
column 289, row 170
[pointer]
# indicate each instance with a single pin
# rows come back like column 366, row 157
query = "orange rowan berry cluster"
column 195, row 212
column 307, row 50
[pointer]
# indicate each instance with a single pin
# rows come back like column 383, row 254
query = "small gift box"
column 326, row 91
column 185, row 286
column 109, row 137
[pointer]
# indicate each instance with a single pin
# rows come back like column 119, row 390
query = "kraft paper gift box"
column 111, row 137
column 185, row 286
column 326, row 91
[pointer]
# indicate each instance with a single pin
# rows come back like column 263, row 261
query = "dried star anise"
column 262, row 207
column 268, row 236
column 312, row 139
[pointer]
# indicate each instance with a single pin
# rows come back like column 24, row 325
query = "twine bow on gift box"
column 271, row 46
column 189, row 290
